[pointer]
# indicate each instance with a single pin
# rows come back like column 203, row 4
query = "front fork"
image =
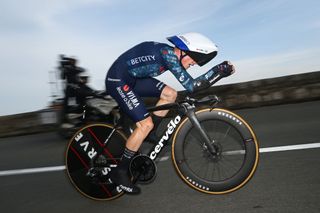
column 195, row 122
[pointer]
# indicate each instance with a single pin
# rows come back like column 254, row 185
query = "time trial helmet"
column 200, row 48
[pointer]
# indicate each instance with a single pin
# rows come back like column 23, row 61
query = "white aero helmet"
column 197, row 46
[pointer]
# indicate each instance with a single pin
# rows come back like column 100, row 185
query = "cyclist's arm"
column 185, row 79
column 191, row 85
column 217, row 72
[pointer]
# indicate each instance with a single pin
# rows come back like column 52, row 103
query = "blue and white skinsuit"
column 130, row 76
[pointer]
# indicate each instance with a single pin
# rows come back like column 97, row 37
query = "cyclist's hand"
column 226, row 68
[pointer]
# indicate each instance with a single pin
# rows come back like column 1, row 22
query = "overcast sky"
column 265, row 38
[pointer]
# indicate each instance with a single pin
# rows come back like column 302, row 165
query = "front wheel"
column 235, row 161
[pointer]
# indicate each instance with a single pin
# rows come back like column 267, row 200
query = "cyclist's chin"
column 188, row 66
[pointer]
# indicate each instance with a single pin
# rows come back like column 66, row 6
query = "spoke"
column 209, row 127
column 213, row 171
column 225, row 135
column 218, row 171
column 215, row 127
column 195, row 138
column 206, row 171
column 232, row 164
column 222, row 171
column 196, row 169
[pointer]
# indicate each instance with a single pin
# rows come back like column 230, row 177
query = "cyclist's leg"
column 160, row 90
column 131, row 103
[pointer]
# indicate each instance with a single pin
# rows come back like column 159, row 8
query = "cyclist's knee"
column 146, row 125
column 169, row 94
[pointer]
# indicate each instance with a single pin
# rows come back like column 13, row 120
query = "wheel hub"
column 215, row 157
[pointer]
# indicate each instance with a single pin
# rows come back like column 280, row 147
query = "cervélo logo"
column 171, row 127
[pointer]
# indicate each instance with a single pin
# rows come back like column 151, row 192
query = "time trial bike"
column 214, row 151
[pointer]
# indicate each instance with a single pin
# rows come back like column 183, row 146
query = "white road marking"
column 290, row 147
column 277, row 149
column 261, row 150
column 32, row 170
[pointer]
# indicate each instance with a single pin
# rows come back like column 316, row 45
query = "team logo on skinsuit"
column 141, row 59
column 128, row 97
column 181, row 78
column 126, row 88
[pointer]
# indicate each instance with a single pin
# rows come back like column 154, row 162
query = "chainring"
column 143, row 169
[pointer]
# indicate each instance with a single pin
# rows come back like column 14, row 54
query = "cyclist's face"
column 187, row 62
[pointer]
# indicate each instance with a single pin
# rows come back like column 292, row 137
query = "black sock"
column 126, row 158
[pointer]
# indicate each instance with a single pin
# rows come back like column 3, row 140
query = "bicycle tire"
column 239, row 135
column 82, row 153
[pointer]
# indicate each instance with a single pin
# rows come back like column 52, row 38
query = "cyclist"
column 131, row 77
column 70, row 72
column 76, row 79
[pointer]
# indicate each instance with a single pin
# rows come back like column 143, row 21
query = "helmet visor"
column 201, row 58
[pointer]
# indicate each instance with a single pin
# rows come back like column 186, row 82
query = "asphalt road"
column 285, row 181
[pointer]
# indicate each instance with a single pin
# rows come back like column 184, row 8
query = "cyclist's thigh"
column 149, row 87
column 129, row 101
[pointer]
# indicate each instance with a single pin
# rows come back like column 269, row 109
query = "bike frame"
column 186, row 109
